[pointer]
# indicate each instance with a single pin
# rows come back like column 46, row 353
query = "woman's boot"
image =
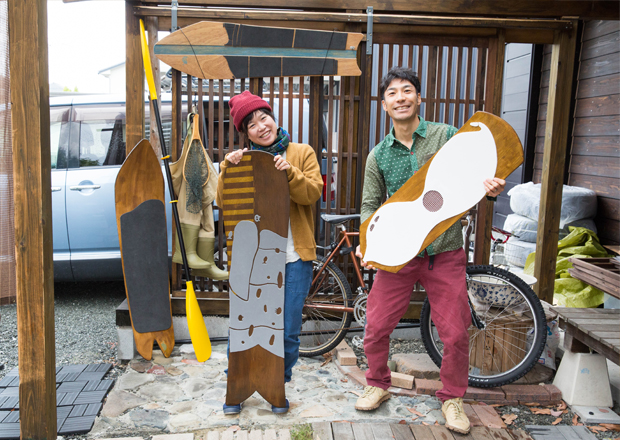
column 190, row 240
column 205, row 251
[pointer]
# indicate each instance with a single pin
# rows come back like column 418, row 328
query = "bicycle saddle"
column 447, row 186
column 339, row 219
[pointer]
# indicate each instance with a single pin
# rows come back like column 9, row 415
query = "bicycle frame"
column 336, row 248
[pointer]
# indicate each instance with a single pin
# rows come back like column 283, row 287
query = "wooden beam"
column 152, row 29
column 134, row 74
column 554, row 156
column 601, row 10
column 30, row 118
column 360, row 18
column 492, row 104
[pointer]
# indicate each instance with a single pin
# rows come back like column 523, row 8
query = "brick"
column 485, row 394
column 358, row 376
column 416, row 365
column 426, row 386
column 344, row 354
column 488, row 416
column 174, row 437
column 402, row 392
column 555, row 395
column 502, row 402
column 526, row 393
column 402, row 380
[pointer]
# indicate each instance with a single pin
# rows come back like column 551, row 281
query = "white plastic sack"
column 577, row 203
column 516, row 251
column 525, row 228
column 547, row 358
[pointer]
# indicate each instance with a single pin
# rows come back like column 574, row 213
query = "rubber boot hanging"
column 206, row 245
column 190, row 240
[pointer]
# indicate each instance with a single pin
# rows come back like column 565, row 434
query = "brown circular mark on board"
column 240, row 318
column 265, row 308
column 265, row 260
column 280, row 280
column 432, row 201
column 279, row 310
column 268, row 277
column 258, row 292
column 272, row 339
column 278, row 250
column 251, row 330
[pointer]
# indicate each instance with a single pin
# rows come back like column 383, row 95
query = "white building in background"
column 116, row 78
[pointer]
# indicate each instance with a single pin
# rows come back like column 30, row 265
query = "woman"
column 253, row 117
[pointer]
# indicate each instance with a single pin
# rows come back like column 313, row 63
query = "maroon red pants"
column 443, row 277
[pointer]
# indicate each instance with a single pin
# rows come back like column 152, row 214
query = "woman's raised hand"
column 281, row 164
column 235, row 156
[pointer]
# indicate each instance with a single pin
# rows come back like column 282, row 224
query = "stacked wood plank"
column 602, row 273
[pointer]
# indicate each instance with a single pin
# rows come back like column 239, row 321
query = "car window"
column 102, row 143
column 59, row 136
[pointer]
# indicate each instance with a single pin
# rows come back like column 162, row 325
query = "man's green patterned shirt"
column 390, row 164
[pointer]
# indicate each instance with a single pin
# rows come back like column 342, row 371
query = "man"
column 440, row 267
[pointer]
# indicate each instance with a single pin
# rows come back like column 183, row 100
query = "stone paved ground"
column 179, row 394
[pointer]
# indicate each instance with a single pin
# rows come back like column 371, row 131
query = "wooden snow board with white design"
column 215, row 50
column 440, row 192
column 256, row 216
column 142, row 235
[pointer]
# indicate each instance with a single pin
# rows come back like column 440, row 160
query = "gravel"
column 85, row 326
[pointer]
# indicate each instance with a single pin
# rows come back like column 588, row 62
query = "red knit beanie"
column 245, row 104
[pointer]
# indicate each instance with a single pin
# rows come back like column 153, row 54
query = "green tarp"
column 569, row 292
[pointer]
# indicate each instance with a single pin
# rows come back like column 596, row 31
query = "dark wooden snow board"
column 485, row 146
column 214, row 50
column 256, row 216
column 142, row 233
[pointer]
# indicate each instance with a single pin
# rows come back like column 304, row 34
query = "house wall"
column 594, row 160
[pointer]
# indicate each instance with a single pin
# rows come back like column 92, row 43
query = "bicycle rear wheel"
column 510, row 333
column 324, row 324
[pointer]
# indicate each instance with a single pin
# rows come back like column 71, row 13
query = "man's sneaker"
column 456, row 419
column 232, row 409
column 371, row 399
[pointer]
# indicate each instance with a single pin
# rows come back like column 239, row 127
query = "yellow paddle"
column 195, row 322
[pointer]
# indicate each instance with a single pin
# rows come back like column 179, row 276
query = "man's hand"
column 235, row 156
column 281, row 164
column 494, row 186
column 358, row 254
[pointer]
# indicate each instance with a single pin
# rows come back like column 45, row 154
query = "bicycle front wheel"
column 324, row 323
column 508, row 330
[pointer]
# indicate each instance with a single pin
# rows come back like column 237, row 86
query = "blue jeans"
column 296, row 286
column 297, row 282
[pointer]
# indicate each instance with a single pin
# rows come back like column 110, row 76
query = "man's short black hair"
column 403, row 73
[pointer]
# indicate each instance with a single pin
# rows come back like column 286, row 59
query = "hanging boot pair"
column 190, row 240
column 206, row 246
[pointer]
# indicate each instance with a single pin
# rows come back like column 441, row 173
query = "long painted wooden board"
column 441, row 192
column 214, row 50
column 256, row 215
column 141, row 222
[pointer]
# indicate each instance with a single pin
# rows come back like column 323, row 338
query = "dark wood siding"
column 514, row 111
column 595, row 150
column 594, row 160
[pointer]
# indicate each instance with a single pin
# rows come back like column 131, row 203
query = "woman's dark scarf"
column 278, row 147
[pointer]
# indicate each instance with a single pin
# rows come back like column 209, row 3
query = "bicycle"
column 507, row 334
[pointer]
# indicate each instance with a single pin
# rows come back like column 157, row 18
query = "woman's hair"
column 403, row 73
column 248, row 118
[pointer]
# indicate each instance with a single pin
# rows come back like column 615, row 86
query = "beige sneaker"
column 456, row 419
column 371, row 399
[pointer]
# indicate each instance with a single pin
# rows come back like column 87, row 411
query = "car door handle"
column 81, row 187
column 56, row 188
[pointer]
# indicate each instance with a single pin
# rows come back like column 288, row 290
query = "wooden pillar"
column 492, row 104
column 134, row 72
column 152, row 25
column 33, row 217
column 554, row 155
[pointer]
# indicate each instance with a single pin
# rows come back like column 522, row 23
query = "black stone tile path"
column 80, row 390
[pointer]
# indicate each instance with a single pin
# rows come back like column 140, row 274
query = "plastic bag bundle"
column 577, row 203
column 525, row 229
